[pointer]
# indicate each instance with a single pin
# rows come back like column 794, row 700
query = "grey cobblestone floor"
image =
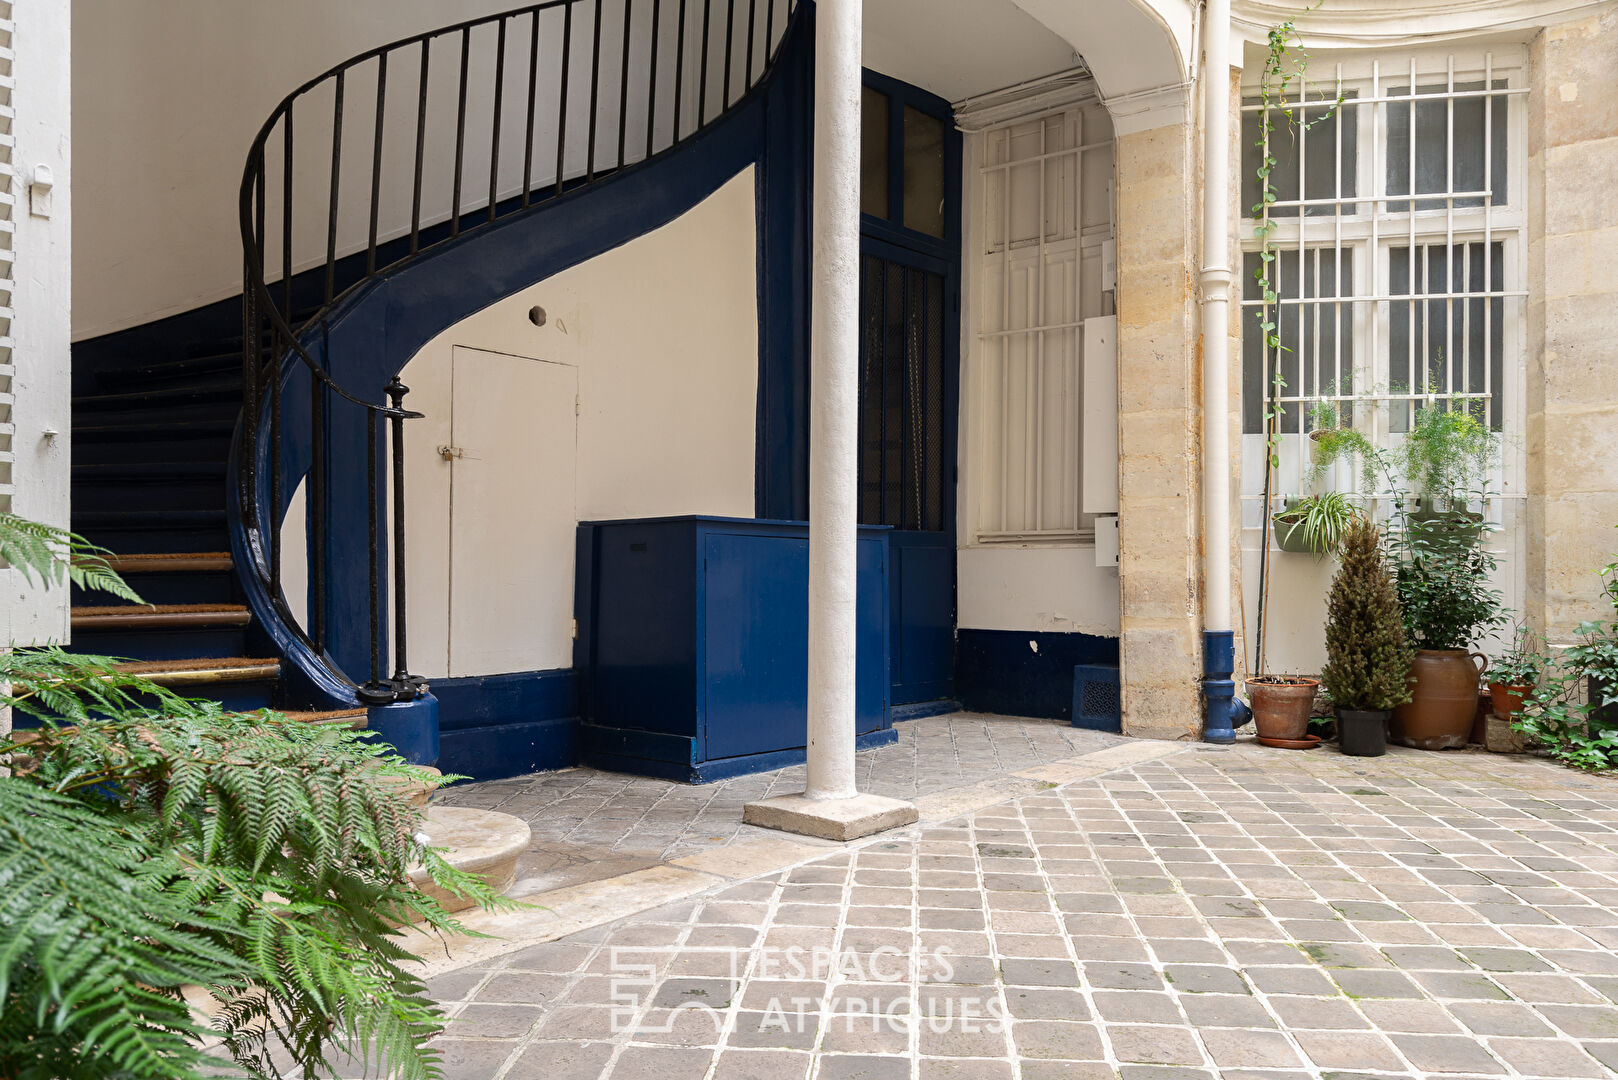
column 590, row 824
column 1248, row 914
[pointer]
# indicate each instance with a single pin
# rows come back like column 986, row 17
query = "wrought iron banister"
column 646, row 40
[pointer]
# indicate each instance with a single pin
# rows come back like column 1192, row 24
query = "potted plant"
column 1367, row 659
column 1281, row 706
column 1316, row 523
column 1513, row 675
column 1442, row 579
column 1445, row 458
column 1584, row 732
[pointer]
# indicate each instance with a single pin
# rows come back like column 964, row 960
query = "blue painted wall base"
column 1024, row 673
column 922, row 709
column 410, row 727
column 613, row 749
column 496, row 726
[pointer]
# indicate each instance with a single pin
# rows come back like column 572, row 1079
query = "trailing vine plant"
column 1286, row 63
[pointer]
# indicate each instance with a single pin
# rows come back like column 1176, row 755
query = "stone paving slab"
column 1246, row 914
column 590, row 825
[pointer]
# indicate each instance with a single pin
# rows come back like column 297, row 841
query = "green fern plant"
column 51, row 556
column 264, row 860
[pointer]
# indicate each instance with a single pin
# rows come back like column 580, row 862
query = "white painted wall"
column 170, row 94
column 34, row 362
column 1049, row 587
column 663, row 332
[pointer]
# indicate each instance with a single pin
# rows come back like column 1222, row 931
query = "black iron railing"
column 659, row 71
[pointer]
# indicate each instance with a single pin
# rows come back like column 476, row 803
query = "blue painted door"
column 909, row 352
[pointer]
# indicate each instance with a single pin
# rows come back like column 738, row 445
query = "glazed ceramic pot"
column 1281, row 710
column 1443, row 702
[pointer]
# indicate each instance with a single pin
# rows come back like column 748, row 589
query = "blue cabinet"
column 692, row 645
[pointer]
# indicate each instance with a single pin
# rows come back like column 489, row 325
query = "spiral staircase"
column 192, row 435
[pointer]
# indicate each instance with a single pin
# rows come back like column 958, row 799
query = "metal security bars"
column 1047, row 222
column 405, row 147
column 1398, row 249
column 9, row 197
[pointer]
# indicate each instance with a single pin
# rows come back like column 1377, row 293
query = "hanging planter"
column 1316, row 524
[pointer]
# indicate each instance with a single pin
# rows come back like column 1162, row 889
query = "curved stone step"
column 480, row 842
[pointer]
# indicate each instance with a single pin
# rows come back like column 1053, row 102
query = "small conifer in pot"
column 1367, row 668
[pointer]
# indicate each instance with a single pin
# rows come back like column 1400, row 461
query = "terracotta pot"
column 1444, row 699
column 1281, row 710
column 1508, row 698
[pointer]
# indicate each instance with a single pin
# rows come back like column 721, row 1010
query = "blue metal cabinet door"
column 756, row 648
column 871, row 668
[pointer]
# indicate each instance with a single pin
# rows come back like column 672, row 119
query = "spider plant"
column 1318, row 523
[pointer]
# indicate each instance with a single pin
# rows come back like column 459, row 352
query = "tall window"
column 1041, row 249
column 909, row 229
column 1399, row 252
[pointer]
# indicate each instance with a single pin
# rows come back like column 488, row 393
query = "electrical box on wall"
column 1107, row 540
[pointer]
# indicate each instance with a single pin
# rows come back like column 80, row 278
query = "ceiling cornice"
column 1379, row 23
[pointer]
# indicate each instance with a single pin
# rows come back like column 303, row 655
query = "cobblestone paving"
column 589, row 824
column 1249, row 914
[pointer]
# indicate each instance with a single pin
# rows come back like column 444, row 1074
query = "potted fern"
column 1367, row 658
column 1318, row 522
column 155, row 848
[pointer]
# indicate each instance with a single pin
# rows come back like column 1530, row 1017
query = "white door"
column 512, row 513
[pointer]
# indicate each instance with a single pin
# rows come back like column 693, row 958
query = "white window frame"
column 987, row 427
column 1372, row 232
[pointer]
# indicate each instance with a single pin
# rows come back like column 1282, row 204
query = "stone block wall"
column 1159, row 424
column 1572, row 395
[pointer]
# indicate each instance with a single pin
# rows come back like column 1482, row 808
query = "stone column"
column 1572, row 404
column 830, row 805
column 1159, row 402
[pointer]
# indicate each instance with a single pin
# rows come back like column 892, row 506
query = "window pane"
column 873, row 152
column 1433, row 147
column 924, row 172
column 901, row 459
column 1318, row 150
column 1448, row 345
column 1317, row 338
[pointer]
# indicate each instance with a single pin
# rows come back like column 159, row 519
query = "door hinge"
column 574, row 628
column 450, row 453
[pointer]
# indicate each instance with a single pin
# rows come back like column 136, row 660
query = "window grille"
column 1047, row 218
column 1398, row 241
column 8, row 227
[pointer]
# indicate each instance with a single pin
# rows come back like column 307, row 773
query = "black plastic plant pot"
column 1363, row 733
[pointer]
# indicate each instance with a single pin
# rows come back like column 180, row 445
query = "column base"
column 830, row 819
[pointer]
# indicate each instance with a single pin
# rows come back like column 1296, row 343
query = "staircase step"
column 176, row 425
column 205, row 671
column 222, row 390
column 349, row 718
column 126, row 520
column 135, row 482
column 159, row 616
column 178, row 562
column 148, row 374
column 481, row 842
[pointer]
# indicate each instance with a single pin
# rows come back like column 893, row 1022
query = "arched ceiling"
column 1135, row 49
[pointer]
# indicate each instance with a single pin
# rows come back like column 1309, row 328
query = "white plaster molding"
column 1379, row 23
column 1143, row 110
column 1046, row 94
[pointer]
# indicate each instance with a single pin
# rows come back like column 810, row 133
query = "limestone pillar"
column 830, row 805
column 1572, row 393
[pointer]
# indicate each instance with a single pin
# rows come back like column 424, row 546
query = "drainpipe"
column 1218, row 638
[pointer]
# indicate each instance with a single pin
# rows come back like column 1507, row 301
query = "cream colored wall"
column 664, row 334
column 1573, row 320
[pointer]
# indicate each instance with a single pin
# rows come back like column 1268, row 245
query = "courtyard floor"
column 1070, row 905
